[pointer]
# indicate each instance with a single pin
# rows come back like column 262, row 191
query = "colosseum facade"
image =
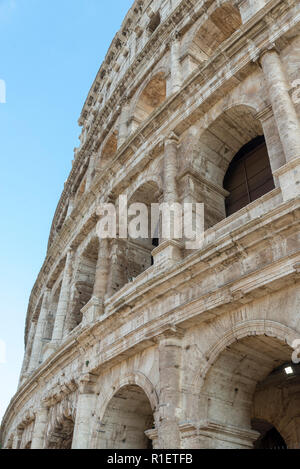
column 134, row 344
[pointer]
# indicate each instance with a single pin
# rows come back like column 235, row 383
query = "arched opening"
column 49, row 324
column 133, row 256
column 232, row 397
column 249, row 175
column 109, row 150
column 270, row 437
column 220, row 25
column 126, row 419
column 214, row 157
column 154, row 23
column 62, row 435
column 82, row 288
column 10, row 442
column 153, row 95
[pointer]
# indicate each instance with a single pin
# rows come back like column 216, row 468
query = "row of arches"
column 245, row 399
column 231, row 153
column 194, row 48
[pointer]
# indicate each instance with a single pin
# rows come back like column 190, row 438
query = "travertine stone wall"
column 133, row 345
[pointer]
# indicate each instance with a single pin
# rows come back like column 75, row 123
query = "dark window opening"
column 154, row 23
column 270, row 440
column 249, row 175
column 155, row 244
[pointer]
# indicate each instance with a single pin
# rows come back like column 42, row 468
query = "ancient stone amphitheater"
column 133, row 344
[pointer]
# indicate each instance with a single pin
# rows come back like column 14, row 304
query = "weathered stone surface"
column 128, row 346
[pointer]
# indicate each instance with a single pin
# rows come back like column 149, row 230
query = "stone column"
column 170, row 369
column 17, row 439
column 102, row 270
column 175, row 65
column 282, row 105
column 37, row 343
column 274, row 145
column 170, row 250
column 40, row 427
column 71, row 205
column 63, row 301
column 24, row 371
column 90, row 171
column 170, row 169
column 86, row 406
column 123, row 128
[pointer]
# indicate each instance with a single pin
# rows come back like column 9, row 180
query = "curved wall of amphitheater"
column 130, row 345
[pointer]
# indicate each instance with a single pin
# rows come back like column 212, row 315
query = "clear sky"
column 50, row 52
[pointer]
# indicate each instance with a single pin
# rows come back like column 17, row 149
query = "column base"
column 289, row 179
column 168, row 253
column 92, row 310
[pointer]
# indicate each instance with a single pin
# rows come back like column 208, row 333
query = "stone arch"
column 225, row 133
column 225, row 130
column 61, row 436
column 276, row 403
column 50, row 320
column 109, row 149
column 150, row 97
column 83, row 282
column 135, row 378
column 131, row 257
column 61, row 425
column 247, row 329
column 220, row 22
column 127, row 413
column 229, row 375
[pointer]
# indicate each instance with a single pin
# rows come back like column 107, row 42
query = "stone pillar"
column 40, row 427
column 86, row 406
column 90, row 171
column 37, row 343
column 24, row 371
column 282, row 105
column 170, row 370
column 70, row 206
column 170, row 169
column 175, row 65
column 63, row 301
column 170, row 250
column 273, row 142
column 102, row 270
column 123, row 128
column 17, row 439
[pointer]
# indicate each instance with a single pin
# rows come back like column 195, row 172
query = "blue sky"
column 50, row 52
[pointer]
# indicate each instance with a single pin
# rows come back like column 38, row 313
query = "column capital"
column 171, row 139
column 269, row 48
column 167, row 331
column 87, row 383
column 265, row 114
column 173, row 38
